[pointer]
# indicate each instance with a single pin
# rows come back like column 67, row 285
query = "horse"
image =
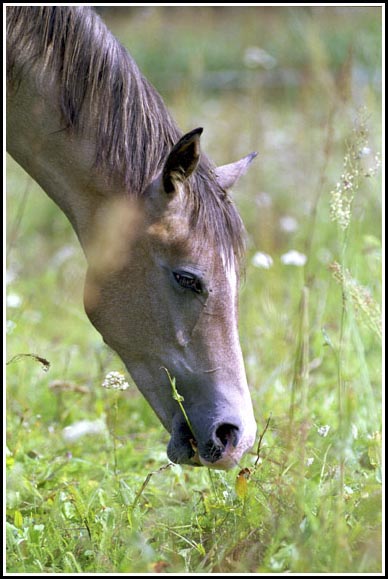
column 163, row 241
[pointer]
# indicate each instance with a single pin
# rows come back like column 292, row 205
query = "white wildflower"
column 365, row 151
column 83, row 427
column 341, row 202
column 262, row 260
column 294, row 257
column 115, row 381
column 324, row 430
column 14, row 301
column 309, row 461
column 288, row 224
column 255, row 56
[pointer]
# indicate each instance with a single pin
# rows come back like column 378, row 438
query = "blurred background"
column 288, row 82
column 303, row 87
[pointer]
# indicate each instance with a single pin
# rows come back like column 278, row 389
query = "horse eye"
column 188, row 281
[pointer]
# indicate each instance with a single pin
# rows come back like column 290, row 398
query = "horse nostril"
column 226, row 434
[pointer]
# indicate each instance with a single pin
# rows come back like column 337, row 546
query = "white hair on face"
column 231, row 275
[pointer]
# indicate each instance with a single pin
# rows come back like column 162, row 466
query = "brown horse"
column 162, row 238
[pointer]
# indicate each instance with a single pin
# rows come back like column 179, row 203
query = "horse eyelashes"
column 188, row 281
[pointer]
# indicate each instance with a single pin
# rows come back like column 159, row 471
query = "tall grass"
column 89, row 485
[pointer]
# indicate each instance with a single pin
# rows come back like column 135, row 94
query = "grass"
column 109, row 502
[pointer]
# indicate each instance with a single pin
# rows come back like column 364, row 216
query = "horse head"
column 166, row 298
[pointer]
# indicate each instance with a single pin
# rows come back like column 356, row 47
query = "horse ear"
column 182, row 160
column 227, row 175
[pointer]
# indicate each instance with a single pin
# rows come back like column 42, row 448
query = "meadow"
column 89, row 486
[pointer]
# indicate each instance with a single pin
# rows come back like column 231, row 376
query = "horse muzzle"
column 220, row 446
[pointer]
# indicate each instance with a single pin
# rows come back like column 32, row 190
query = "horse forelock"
column 214, row 216
column 100, row 85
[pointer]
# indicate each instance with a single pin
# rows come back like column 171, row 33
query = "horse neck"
column 62, row 163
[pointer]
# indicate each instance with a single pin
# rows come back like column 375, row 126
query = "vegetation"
column 89, row 486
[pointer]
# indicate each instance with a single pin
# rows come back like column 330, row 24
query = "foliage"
column 89, row 488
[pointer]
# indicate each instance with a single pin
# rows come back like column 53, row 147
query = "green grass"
column 105, row 503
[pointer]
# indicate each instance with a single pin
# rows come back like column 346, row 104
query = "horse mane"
column 134, row 131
